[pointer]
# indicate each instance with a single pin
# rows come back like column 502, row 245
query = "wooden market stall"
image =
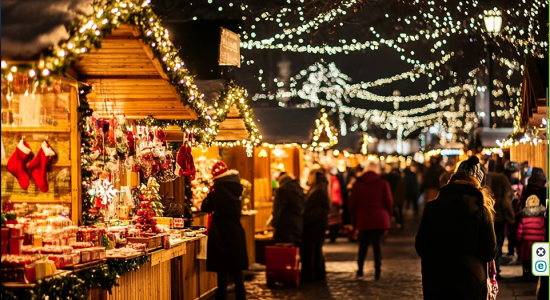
column 291, row 136
column 236, row 135
column 136, row 74
column 529, row 140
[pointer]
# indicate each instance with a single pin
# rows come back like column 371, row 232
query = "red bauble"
column 149, row 206
column 140, row 213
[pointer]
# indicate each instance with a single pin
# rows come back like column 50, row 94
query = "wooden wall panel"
column 537, row 156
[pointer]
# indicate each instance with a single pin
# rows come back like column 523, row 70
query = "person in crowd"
column 335, row 217
column 446, row 176
column 543, row 280
column 503, row 195
column 413, row 189
column 370, row 206
column 317, row 208
column 226, row 248
column 531, row 229
column 288, row 211
column 457, row 232
column 349, row 230
column 536, row 185
column 399, row 193
column 511, row 171
column 430, row 180
column 525, row 172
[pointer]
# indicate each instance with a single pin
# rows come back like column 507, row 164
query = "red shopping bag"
column 282, row 264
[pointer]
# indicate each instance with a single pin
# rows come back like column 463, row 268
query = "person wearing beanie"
column 226, row 249
column 536, row 185
column 457, row 231
column 503, row 195
column 531, row 229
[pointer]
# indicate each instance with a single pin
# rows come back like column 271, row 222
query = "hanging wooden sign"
column 230, row 48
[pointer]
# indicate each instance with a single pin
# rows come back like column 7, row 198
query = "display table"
column 175, row 273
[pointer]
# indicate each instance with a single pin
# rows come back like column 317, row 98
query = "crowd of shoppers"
column 471, row 209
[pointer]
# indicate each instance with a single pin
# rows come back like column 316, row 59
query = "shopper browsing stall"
column 226, row 252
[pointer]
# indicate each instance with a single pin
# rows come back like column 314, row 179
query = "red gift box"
column 281, row 264
column 16, row 245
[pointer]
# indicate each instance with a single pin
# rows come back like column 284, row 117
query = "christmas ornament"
column 17, row 163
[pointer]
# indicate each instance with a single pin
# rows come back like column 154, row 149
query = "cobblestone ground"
column 401, row 278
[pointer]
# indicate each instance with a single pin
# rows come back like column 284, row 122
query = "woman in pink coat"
column 530, row 230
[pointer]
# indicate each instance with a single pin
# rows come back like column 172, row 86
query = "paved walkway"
column 401, row 278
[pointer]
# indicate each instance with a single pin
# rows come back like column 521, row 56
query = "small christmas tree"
column 149, row 207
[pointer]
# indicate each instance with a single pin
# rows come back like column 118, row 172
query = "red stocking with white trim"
column 17, row 163
column 39, row 165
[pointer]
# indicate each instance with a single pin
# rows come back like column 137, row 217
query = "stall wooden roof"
column 233, row 127
column 128, row 79
column 534, row 92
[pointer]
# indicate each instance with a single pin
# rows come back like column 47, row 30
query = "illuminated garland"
column 235, row 95
column 322, row 125
column 88, row 32
column 86, row 161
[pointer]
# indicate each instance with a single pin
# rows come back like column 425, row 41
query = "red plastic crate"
column 282, row 264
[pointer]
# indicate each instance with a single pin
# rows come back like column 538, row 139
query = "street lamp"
column 493, row 23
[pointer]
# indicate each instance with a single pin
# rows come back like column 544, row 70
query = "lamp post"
column 493, row 23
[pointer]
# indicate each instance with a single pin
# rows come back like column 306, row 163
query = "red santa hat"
column 219, row 169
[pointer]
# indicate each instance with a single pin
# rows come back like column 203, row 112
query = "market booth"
column 89, row 216
column 292, row 139
column 236, row 137
column 529, row 139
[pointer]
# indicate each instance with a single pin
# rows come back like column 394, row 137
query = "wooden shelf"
column 60, row 164
column 36, row 129
column 16, row 199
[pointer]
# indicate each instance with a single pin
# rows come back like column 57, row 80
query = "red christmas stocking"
column 17, row 164
column 38, row 166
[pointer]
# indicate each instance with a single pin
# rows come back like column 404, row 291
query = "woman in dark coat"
column 317, row 208
column 288, row 211
column 456, row 238
column 226, row 252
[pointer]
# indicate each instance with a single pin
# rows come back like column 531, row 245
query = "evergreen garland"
column 76, row 286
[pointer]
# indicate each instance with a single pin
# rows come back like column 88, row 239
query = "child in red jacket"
column 530, row 230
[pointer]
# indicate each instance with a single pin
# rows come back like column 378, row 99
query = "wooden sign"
column 230, row 49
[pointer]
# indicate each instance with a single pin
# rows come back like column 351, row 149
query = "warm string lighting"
column 234, row 95
column 90, row 30
column 322, row 126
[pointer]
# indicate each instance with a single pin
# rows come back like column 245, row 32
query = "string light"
column 234, row 95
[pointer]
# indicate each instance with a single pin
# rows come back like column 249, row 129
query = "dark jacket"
column 503, row 194
column 226, row 250
column 317, row 205
column 288, row 211
column 430, row 179
column 371, row 203
column 397, row 186
column 411, row 184
column 455, row 241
